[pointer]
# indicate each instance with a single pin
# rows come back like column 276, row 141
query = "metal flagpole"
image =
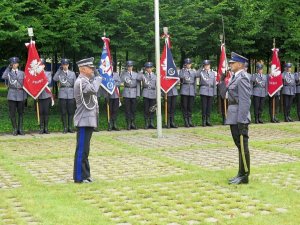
column 273, row 100
column 157, row 59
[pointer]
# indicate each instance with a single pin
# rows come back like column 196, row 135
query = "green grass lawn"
column 139, row 179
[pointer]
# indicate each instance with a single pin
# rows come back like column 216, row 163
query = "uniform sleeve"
column 91, row 87
column 117, row 80
column 56, row 75
column 181, row 74
column 140, row 76
column 244, row 96
column 122, row 78
column 5, row 73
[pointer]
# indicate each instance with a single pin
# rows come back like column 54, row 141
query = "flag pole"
column 273, row 100
column 30, row 34
column 165, row 29
column 157, row 57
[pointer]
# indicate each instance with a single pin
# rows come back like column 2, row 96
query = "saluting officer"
column 131, row 91
column 16, row 95
column 188, row 78
column 149, row 95
column 44, row 100
column 66, row 79
column 114, row 101
column 259, row 91
column 85, row 118
column 238, row 117
column 207, row 91
column 288, row 91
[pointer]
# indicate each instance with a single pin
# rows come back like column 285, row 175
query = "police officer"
column 238, row 117
column 44, row 100
column 149, row 95
column 171, row 98
column 131, row 91
column 66, row 79
column 188, row 90
column 207, row 91
column 16, row 95
column 225, row 78
column 259, row 91
column 114, row 101
column 85, row 118
column 288, row 91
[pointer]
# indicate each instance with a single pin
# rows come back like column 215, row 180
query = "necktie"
column 233, row 76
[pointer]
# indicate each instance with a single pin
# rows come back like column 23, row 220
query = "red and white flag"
column 275, row 79
column 35, row 80
column 222, row 64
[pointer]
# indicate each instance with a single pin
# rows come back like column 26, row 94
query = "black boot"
column 186, row 122
column 243, row 178
column 169, row 123
column 128, row 125
column 46, row 131
column 146, row 124
column 190, row 122
column 290, row 119
column 299, row 116
column 133, row 126
column 64, row 122
column 14, row 125
column 256, row 119
column 70, row 124
column 240, row 169
column 110, row 125
column 272, row 119
column 41, row 125
column 172, row 123
column 208, row 123
column 223, row 120
column 203, row 121
column 115, row 127
column 20, row 125
column 276, row 120
column 151, row 125
column 260, row 119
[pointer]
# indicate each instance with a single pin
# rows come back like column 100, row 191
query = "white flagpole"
column 157, row 59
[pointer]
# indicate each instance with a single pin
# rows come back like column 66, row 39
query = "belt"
column 230, row 103
column 188, row 83
column 66, row 87
column 149, row 88
column 130, row 87
column 206, row 85
column 15, row 88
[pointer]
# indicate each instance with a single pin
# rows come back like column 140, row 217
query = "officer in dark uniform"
column 171, row 98
column 149, row 95
column 85, row 118
column 288, row 91
column 259, row 91
column 16, row 95
column 131, row 91
column 66, row 79
column 207, row 91
column 238, row 117
column 44, row 100
column 188, row 78
column 114, row 102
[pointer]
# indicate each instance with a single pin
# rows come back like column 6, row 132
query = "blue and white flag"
column 106, row 68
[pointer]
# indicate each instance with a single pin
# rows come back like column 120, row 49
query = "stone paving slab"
column 7, row 181
column 108, row 168
column 281, row 179
column 217, row 159
column 290, row 145
column 168, row 141
column 181, row 202
column 12, row 212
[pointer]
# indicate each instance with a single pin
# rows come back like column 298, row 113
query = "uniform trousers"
column 258, row 105
column 187, row 105
column 287, row 104
column 171, row 106
column 44, row 106
column 130, row 108
column 81, row 162
column 277, row 103
column 206, row 105
column 148, row 108
column 14, row 106
column 113, row 108
column 67, row 106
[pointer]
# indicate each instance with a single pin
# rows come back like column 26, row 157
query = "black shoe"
column 90, row 179
column 260, row 120
column 190, row 122
column 256, row 120
column 208, row 123
column 203, row 121
column 186, row 122
column 240, row 180
column 115, row 127
column 41, row 131
column 15, row 132
column 128, row 125
column 233, row 178
column 82, row 181
column 172, row 123
column 132, row 125
column 151, row 125
column 110, row 125
column 290, row 119
column 21, row 132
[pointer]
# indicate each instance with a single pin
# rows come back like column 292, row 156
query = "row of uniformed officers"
column 132, row 85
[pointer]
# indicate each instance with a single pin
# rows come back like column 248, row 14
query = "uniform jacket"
column 66, row 80
column 44, row 94
column 239, row 101
column 15, row 84
column 207, row 83
column 85, row 93
column 289, row 83
column 173, row 91
column 132, row 85
column 149, row 86
column 259, row 85
column 188, row 81
column 297, row 75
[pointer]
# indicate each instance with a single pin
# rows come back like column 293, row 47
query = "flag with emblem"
column 168, row 71
column 106, row 68
column 35, row 79
column 275, row 78
column 222, row 64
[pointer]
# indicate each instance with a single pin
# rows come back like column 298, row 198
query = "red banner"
column 275, row 79
column 35, row 80
column 222, row 64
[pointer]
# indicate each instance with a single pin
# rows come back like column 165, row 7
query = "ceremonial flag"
column 35, row 80
column 222, row 64
column 275, row 78
column 168, row 71
column 106, row 68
